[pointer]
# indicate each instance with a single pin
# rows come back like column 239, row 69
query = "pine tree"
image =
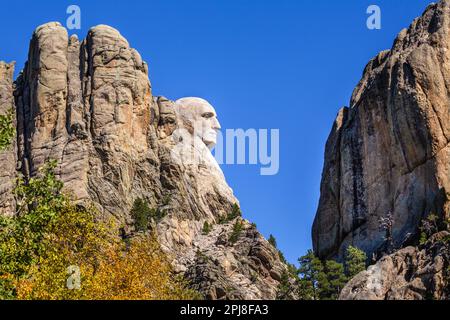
column 141, row 214
column 285, row 287
column 235, row 212
column 334, row 280
column 355, row 261
column 272, row 241
column 236, row 233
column 311, row 274
column 318, row 280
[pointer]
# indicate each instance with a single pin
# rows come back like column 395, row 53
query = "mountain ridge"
column 88, row 105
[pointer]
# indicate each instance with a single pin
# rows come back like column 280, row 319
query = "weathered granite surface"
column 8, row 156
column 412, row 273
column 389, row 152
column 88, row 104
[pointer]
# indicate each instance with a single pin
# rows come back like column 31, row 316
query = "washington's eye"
column 207, row 115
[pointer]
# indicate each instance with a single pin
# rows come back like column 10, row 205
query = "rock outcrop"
column 412, row 273
column 248, row 269
column 389, row 152
column 89, row 105
column 8, row 156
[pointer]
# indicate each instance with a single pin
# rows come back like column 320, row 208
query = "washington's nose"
column 216, row 124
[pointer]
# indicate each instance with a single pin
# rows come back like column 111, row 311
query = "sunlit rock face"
column 7, row 156
column 412, row 273
column 219, row 269
column 88, row 104
column 200, row 118
column 193, row 140
column 389, row 152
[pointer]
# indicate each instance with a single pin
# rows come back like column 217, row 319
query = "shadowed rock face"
column 88, row 104
column 389, row 152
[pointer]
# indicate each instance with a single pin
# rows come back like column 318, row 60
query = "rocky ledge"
column 412, row 273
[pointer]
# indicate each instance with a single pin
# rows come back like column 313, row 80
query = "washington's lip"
column 213, row 132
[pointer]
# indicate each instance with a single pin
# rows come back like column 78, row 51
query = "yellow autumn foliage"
column 138, row 270
column 55, row 249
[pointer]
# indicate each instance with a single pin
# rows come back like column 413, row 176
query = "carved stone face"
column 201, row 119
column 167, row 117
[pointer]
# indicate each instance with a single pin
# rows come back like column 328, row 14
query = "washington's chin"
column 210, row 140
column 210, row 144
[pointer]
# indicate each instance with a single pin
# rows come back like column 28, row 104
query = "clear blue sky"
column 286, row 64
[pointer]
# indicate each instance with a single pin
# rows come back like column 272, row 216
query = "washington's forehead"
column 206, row 108
column 196, row 104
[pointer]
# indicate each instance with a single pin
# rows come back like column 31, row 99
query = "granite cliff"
column 88, row 104
column 387, row 169
column 388, row 154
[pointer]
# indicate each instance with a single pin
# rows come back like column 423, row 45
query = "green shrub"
column 233, row 214
column 141, row 214
column 423, row 238
column 446, row 239
column 287, row 286
column 236, row 233
column 428, row 227
column 7, row 289
column 7, row 130
column 222, row 220
column 206, row 228
column 282, row 257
